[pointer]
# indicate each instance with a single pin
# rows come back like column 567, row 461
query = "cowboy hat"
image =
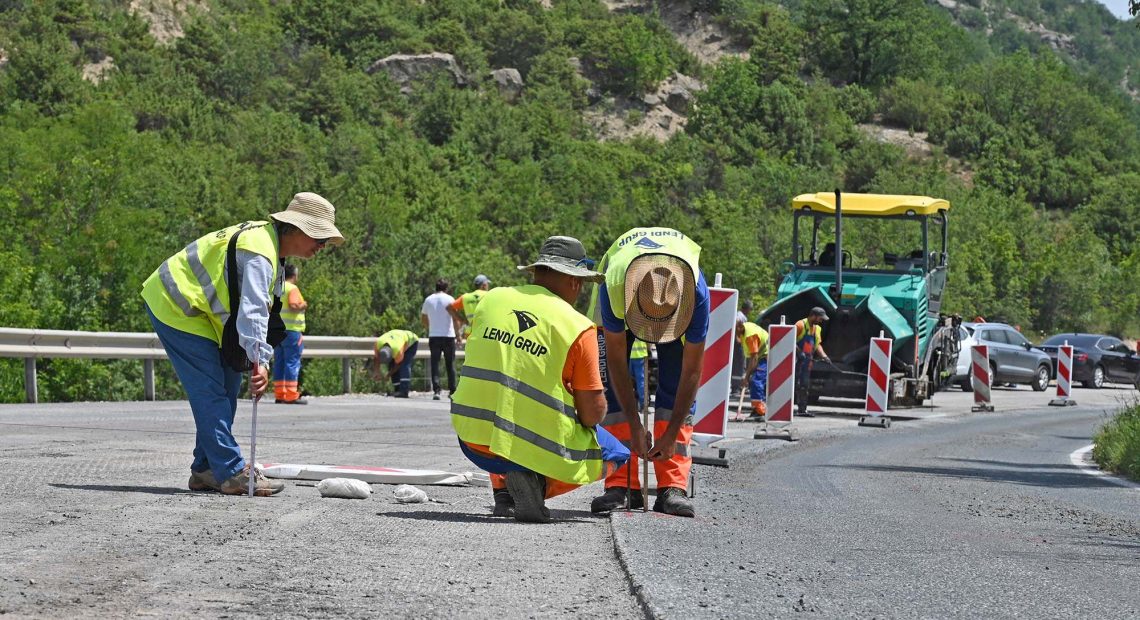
column 313, row 215
column 660, row 294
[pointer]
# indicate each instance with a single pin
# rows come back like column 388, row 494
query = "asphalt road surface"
column 952, row 515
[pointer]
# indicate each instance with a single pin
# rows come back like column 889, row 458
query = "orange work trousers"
column 671, row 473
column 554, row 487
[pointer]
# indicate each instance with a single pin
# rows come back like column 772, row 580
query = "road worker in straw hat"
column 653, row 291
column 528, row 407
column 189, row 301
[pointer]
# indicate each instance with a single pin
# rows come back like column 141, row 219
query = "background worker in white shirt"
column 441, row 328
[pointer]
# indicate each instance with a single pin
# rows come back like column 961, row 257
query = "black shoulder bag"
column 233, row 355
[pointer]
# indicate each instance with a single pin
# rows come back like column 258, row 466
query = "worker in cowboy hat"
column 530, row 400
column 188, row 299
column 653, row 291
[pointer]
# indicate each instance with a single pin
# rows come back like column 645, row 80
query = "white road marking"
column 1079, row 460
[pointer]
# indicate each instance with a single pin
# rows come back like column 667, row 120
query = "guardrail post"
column 148, row 379
column 31, row 391
column 346, row 375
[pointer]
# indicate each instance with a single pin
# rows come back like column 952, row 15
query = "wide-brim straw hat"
column 660, row 294
column 565, row 255
column 313, row 215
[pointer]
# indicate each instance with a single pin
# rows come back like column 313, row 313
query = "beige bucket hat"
column 314, row 215
column 660, row 293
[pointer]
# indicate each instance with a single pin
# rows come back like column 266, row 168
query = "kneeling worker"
column 531, row 394
column 397, row 349
column 653, row 291
column 754, row 340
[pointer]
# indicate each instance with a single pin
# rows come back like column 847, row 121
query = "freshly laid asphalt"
column 956, row 514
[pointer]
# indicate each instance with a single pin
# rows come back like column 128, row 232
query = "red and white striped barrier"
column 781, row 381
column 378, row 475
column 1064, row 376
column 710, row 420
column 878, row 381
column 980, row 377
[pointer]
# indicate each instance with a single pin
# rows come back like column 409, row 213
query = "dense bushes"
column 99, row 183
column 1116, row 446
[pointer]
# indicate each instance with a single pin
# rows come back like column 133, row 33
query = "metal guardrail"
column 31, row 344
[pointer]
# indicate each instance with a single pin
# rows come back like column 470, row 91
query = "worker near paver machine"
column 754, row 340
column 809, row 345
column 653, row 291
column 396, row 349
column 529, row 405
column 287, row 355
column 463, row 309
column 207, row 335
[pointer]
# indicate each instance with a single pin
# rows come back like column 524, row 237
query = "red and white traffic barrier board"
column 379, row 475
column 878, row 380
column 1064, row 376
column 781, row 373
column 710, row 420
column 980, row 377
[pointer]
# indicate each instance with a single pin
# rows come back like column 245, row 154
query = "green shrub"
column 1116, row 446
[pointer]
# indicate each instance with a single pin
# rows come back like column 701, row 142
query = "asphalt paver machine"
column 892, row 283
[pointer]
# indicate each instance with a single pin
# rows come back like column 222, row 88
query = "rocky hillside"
column 453, row 136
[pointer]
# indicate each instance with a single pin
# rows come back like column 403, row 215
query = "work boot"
column 238, row 484
column 203, row 481
column 504, row 504
column 672, row 501
column 295, row 401
column 614, row 499
column 435, row 396
column 528, row 489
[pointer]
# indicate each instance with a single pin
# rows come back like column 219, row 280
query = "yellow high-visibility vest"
column 512, row 398
column 188, row 291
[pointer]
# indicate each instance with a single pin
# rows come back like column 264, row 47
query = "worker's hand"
column 826, row 359
column 665, row 447
column 258, row 380
column 639, row 439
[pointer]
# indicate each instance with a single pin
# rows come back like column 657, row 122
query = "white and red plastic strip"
column 980, row 375
column 878, row 376
column 781, row 373
column 710, row 420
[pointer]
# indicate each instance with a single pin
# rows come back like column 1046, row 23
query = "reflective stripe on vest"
column 659, row 415
column 294, row 321
column 679, row 449
column 636, row 242
column 189, row 291
column 512, row 398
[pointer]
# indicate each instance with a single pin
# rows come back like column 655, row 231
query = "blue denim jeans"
column 212, row 390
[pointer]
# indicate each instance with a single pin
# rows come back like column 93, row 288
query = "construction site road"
column 949, row 514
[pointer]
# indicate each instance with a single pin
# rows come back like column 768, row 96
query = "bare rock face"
column 164, row 17
column 405, row 68
column 678, row 92
column 97, row 71
column 509, row 81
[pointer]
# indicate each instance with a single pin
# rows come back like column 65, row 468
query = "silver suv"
column 1013, row 359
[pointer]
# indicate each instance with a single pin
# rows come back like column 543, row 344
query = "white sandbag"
column 408, row 494
column 347, row 488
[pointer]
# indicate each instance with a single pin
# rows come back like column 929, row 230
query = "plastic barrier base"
column 878, row 421
column 707, row 459
column 1063, row 402
column 982, row 407
column 772, row 432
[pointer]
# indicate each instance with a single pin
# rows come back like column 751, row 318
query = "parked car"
column 1097, row 359
column 1013, row 359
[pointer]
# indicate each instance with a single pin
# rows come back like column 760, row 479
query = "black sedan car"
column 1097, row 359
